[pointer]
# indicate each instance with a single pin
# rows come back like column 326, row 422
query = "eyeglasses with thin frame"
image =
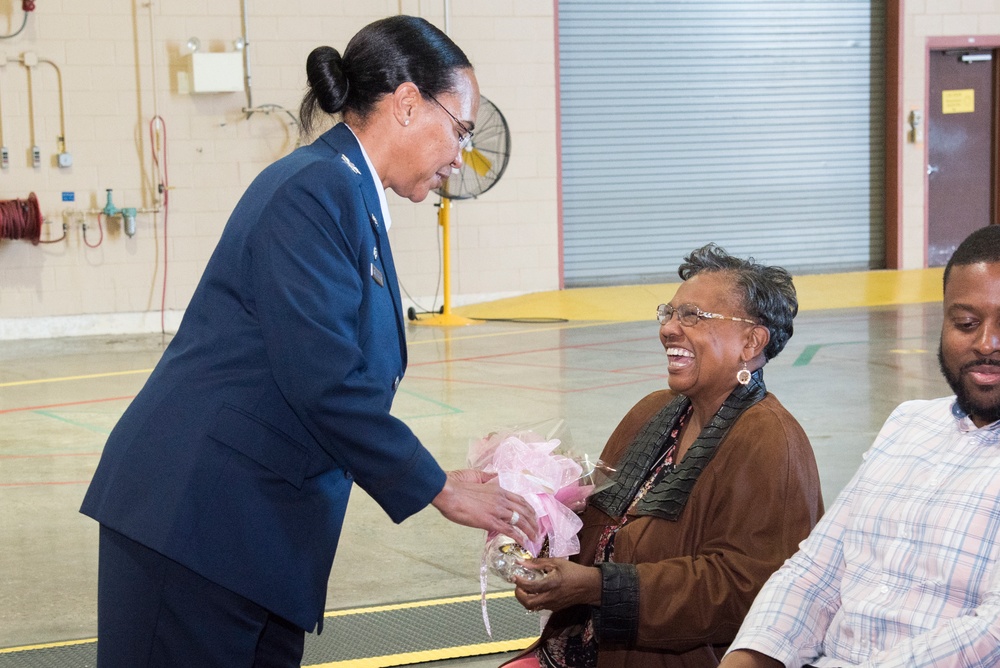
column 465, row 136
column 689, row 315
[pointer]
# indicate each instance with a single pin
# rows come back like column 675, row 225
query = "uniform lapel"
column 343, row 140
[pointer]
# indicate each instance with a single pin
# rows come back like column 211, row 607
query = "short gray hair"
column 768, row 294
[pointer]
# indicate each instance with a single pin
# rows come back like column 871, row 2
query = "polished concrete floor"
column 840, row 375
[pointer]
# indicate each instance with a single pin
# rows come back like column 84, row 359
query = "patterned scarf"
column 667, row 498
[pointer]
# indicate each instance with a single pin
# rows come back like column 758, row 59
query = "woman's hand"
column 559, row 585
column 475, row 499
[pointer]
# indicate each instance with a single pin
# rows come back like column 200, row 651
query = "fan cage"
column 490, row 152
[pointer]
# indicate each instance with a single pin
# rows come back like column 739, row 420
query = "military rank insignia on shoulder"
column 347, row 161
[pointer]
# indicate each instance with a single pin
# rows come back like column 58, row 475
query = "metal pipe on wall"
column 267, row 109
column 246, row 61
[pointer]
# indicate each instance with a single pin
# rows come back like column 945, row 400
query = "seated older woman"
column 716, row 486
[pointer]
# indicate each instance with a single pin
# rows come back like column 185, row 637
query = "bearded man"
column 902, row 570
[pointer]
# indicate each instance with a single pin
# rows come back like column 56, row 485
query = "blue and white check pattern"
column 901, row 569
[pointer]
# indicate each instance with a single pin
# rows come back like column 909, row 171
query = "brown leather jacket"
column 679, row 588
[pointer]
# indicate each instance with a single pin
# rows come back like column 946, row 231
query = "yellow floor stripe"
column 870, row 288
column 63, row 379
column 373, row 662
column 638, row 302
column 416, row 604
column 441, row 654
column 430, row 655
column 47, row 645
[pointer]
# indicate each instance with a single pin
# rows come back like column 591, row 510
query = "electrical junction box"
column 217, row 72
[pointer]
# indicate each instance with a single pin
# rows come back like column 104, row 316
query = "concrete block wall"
column 124, row 61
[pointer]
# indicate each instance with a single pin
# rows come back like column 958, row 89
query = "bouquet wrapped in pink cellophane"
column 537, row 463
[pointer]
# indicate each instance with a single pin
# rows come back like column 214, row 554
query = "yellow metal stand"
column 446, row 318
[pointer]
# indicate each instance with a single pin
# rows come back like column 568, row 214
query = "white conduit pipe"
column 62, row 113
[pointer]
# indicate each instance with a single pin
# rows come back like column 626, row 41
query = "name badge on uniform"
column 377, row 275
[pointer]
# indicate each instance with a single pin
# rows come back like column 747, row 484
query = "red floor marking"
column 528, row 352
column 68, row 403
column 584, row 369
column 486, row 383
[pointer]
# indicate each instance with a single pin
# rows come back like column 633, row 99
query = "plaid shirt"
column 900, row 570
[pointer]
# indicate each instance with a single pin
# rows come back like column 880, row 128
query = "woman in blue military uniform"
column 222, row 490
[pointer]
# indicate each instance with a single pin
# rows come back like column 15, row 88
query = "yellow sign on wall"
column 958, row 101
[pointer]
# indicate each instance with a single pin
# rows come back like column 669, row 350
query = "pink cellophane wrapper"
column 527, row 464
column 537, row 464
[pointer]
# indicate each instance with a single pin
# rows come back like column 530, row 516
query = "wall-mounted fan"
column 483, row 163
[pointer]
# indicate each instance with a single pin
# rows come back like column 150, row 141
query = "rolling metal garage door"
column 756, row 125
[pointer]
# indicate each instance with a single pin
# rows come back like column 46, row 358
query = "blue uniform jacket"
column 237, row 457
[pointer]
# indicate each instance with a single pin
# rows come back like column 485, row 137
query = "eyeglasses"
column 689, row 315
column 465, row 136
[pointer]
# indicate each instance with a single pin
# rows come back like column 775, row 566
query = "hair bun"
column 327, row 79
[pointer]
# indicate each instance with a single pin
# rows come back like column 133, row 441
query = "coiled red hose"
column 21, row 219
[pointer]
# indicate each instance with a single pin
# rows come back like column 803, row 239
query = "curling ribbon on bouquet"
column 483, row 572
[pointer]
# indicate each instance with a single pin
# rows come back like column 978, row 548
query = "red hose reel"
column 21, row 219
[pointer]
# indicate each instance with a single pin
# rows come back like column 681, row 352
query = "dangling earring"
column 743, row 375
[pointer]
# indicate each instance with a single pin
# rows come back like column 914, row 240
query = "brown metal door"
column 960, row 149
